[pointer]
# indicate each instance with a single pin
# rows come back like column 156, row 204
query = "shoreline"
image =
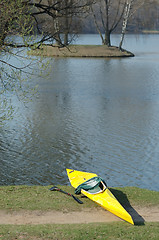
column 37, row 205
column 34, row 212
column 93, row 51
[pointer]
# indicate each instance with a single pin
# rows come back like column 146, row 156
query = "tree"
column 125, row 20
column 110, row 13
column 146, row 17
column 130, row 7
column 25, row 19
column 57, row 18
column 15, row 20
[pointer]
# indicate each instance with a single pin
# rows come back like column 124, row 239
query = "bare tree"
column 125, row 20
column 146, row 17
column 57, row 17
column 110, row 13
column 131, row 6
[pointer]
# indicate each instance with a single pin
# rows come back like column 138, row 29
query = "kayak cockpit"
column 97, row 189
column 94, row 185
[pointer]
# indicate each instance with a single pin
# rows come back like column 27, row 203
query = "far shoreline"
column 94, row 51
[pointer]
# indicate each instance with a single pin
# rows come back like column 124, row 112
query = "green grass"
column 109, row 231
column 40, row 198
column 137, row 196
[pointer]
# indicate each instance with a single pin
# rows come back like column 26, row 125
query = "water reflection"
column 97, row 115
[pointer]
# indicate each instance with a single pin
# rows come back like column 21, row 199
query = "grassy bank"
column 110, row 231
column 16, row 198
column 40, row 198
column 81, row 51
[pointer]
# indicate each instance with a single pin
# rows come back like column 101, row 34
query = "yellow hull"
column 105, row 199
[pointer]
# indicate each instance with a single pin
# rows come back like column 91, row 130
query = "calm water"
column 96, row 115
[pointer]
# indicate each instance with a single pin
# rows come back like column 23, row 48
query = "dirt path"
column 85, row 216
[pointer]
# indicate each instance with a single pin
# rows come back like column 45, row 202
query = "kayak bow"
column 104, row 197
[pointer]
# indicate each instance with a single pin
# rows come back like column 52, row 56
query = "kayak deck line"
column 103, row 198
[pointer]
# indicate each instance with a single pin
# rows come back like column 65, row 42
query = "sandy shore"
column 97, row 51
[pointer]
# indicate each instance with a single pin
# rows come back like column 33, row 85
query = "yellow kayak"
column 100, row 194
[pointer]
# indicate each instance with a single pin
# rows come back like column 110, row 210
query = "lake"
column 97, row 115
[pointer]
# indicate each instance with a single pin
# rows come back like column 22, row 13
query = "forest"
column 144, row 18
column 53, row 18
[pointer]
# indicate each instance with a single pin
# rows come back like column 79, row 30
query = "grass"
column 137, row 196
column 40, row 198
column 81, row 51
column 109, row 231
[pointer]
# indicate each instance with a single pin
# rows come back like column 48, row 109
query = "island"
column 81, row 51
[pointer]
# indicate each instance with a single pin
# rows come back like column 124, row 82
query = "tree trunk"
column 106, row 40
column 66, row 39
column 125, row 21
column 66, row 26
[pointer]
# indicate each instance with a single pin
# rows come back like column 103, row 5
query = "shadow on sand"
column 122, row 198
